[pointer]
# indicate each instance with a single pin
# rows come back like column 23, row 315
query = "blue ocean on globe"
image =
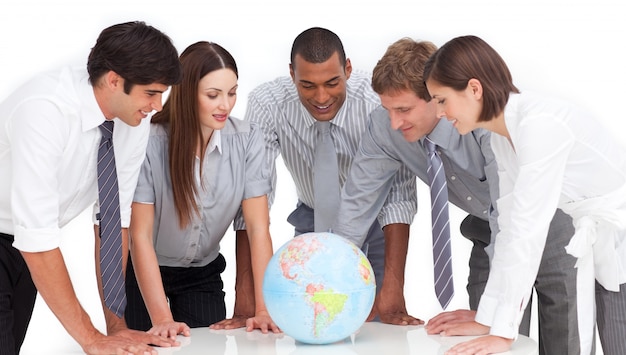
column 319, row 288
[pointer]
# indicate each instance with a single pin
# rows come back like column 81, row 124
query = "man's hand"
column 170, row 330
column 146, row 338
column 462, row 328
column 390, row 306
column 444, row 320
column 482, row 346
column 116, row 345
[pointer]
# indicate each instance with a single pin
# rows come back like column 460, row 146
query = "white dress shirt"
column 49, row 138
column 558, row 157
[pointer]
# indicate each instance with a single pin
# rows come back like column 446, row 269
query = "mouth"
column 322, row 109
column 220, row 118
column 144, row 114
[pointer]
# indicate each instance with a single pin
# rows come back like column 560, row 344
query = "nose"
column 395, row 121
column 441, row 113
column 224, row 104
column 157, row 103
column 321, row 95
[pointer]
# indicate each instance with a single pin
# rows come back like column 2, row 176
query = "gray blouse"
column 233, row 170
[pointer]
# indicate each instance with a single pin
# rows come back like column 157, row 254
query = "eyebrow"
column 326, row 82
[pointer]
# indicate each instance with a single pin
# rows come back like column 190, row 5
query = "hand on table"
column 170, row 330
column 482, row 346
column 391, row 309
column 146, row 338
column 116, row 345
column 262, row 321
column 445, row 320
column 237, row 321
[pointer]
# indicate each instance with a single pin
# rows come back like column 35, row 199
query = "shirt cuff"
column 36, row 240
column 502, row 318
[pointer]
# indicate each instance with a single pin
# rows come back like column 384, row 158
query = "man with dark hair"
column 51, row 133
column 395, row 140
column 321, row 88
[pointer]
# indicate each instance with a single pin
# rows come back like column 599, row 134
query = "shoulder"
column 359, row 87
column 235, row 126
column 278, row 90
column 158, row 138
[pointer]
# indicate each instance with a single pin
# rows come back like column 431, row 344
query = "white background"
column 569, row 48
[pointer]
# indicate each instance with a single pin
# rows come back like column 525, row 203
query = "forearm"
column 147, row 272
column 52, row 280
column 396, row 248
column 146, row 265
column 244, row 283
column 261, row 253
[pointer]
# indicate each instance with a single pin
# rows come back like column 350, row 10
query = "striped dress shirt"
column 288, row 129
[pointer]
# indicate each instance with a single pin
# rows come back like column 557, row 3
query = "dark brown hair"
column 139, row 53
column 180, row 114
column 469, row 57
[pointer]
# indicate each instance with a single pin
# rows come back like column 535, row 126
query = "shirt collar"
column 90, row 114
column 442, row 134
column 215, row 142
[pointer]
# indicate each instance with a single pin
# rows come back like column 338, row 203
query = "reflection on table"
column 373, row 338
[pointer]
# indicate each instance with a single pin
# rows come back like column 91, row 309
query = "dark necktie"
column 442, row 255
column 110, row 224
column 325, row 178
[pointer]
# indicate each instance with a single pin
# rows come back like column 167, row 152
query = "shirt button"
column 485, row 212
column 452, row 177
column 469, row 198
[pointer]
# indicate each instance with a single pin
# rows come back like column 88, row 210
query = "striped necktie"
column 110, row 224
column 442, row 255
column 325, row 179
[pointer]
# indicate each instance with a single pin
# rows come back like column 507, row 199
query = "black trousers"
column 195, row 295
column 17, row 297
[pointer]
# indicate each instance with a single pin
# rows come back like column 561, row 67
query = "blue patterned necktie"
column 442, row 255
column 110, row 224
column 325, row 179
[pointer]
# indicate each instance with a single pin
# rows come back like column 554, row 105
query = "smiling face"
column 409, row 114
column 134, row 106
column 217, row 94
column 321, row 86
column 462, row 108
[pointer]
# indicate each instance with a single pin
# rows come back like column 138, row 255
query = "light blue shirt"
column 232, row 171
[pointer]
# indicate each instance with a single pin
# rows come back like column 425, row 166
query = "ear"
column 292, row 73
column 113, row 81
column 348, row 69
column 475, row 88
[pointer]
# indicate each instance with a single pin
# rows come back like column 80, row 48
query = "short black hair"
column 137, row 52
column 317, row 45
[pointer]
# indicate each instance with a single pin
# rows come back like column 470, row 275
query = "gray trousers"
column 611, row 319
column 373, row 247
column 555, row 284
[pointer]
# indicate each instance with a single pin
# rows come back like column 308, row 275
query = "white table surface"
column 373, row 338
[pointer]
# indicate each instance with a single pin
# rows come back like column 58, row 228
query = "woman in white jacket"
column 550, row 155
